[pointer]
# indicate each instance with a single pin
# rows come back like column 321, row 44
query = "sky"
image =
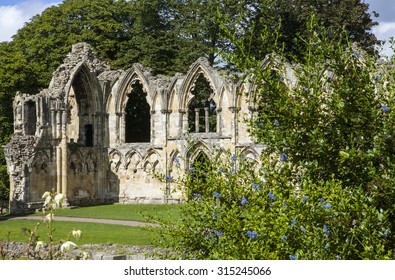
column 14, row 13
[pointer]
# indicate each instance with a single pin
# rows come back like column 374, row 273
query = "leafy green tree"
column 198, row 23
column 291, row 17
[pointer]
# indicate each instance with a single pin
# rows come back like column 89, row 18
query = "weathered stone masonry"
column 96, row 134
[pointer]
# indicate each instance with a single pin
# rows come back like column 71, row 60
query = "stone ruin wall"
column 76, row 137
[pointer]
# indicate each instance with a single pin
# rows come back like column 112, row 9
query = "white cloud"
column 13, row 17
column 383, row 32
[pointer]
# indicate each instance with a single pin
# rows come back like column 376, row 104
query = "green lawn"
column 94, row 233
column 133, row 212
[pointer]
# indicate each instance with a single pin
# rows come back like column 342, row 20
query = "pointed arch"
column 132, row 160
column 82, row 102
column 152, row 161
column 115, row 159
column 194, row 150
column 39, row 161
column 133, row 106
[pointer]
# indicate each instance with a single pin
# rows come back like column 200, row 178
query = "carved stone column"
column 197, row 120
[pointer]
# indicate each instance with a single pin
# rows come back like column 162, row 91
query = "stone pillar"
column 118, row 130
column 58, row 169
column 63, row 144
column 53, row 123
column 183, row 122
column 220, row 121
column 197, row 120
column 206, row 119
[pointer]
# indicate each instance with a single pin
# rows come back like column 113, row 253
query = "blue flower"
column 326, row 247
column 233, row 158
column 221, row 171
column 276, row 123
column 386, row 233
column 244, row 201
column 326, row 230
column 218, row 233
column 356, row 54
column 272, row 196
column 284, row 237
column 303, row 229
column 217, row 194
column 385, row 108
column 256, row 186
column 176, row 160
column 252, row 234
column 197, row 195
column 293, row 222
column 169, row 178
column 327, row 206
column 304, row 199
column 215, row 215
column 292, row 257
column 322, row 200
column 283, row 157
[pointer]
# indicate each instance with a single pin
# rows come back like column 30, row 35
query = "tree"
column 198, row 23
column 291, row 17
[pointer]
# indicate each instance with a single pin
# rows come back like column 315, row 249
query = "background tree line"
column 166, row 35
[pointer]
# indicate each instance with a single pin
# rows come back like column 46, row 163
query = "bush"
column 265, row 215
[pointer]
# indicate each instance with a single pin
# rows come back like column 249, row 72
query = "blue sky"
column 13, row 14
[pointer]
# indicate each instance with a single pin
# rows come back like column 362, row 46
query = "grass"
column 95, row 233
column 132, row 212
column 92, row 233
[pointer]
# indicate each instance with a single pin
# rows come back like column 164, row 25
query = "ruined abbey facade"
column 97, row 135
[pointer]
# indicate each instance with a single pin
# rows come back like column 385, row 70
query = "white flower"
column 67, row 246
column 85, row 256
column 49, row 217
column 76, row 233
column 39, row 244
column 59, row 200
column 48, row 199
column 46, row 194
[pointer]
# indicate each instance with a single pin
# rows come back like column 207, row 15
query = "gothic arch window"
column 202, row 109
column 81, row 109
column 137, row 116
column 200, row 165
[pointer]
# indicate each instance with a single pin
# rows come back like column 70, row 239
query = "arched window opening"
column 137, row 116
column 199, row 168
column 202, row 110
column 31, row 117
column 80, row 111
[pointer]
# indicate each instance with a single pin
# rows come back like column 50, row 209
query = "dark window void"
column 202, row 110
column 137, row 116
column 30, row 118
column 88, row 135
